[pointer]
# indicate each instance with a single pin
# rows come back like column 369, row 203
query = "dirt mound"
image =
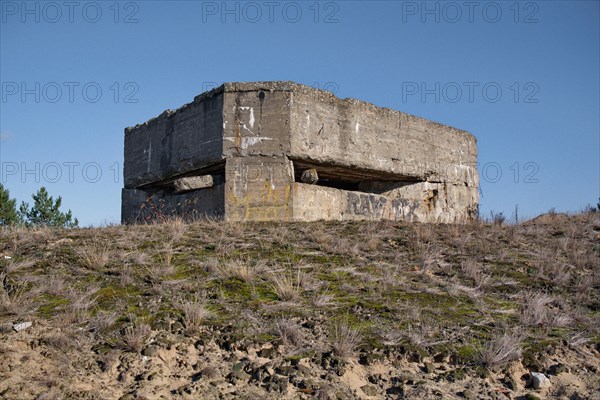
column 300, row 311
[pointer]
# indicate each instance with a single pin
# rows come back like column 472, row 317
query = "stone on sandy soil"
column 22, row 326
column 557, row 369
column 538, row 380
column 369, row 390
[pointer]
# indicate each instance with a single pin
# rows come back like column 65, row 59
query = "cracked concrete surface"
column 258, row 138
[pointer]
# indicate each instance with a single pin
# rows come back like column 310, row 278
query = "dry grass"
column 244, row 270
column 134, row 337
column 323, row 300
column 476, row 272
column 289, row 332
column 94, row 255
column 286, row 288
column 79, row 306
column 276, row 284
column 195, row 313
column 166, row 254
column 175, row 229
column 102, row 321
column 17, row 301
column 534, row 310
column 345, row 340
column 502, row 349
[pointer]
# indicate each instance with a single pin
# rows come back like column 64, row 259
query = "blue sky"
column 523, row 77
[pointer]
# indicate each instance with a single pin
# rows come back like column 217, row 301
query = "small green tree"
column 8, row 209
column 46, row 212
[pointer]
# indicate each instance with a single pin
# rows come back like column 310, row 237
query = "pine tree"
column 8, row 208
column 46, row 212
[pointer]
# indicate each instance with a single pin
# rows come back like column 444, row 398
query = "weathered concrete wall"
column 439, row 161
column 313, row 203
column 355, row 133
column 258, row 188
column 145, row 206
column 175, row 142
column 410, row 203
column 255, row 122
column 259, row 137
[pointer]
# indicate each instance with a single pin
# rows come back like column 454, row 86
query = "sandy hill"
column 352, row 310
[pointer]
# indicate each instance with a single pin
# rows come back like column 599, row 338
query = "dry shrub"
column 534, row 310
column 373, row 244
column 585, row 284
column 285, row 287
column 305, row 274
column 323, row 300
column 281, row 235
column 175, row 228
column 17, row 300
column 156, row 272
column 138, row 257
column 244, row 270
column 53, row 285
column 166, row 254
column 389, row 277
column 561, row 274
column 502, row 349
column 210, row 372
column 195, row 313
column 581, row 257
column 289, row 332
column 63, row 342
column 94, row 255
column 102, row 321
column 14, row 266
column 473, row 270
column 134, row 337
column 344, row 340
column 431, row 257
column 578, row 341
column 424, row 233
column 422, row 333
column 550, row 266
column 126, row 276
column 80, row 302
column 323, row 238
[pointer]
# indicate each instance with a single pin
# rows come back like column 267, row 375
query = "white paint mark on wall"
column 246, row 128
column 250, row 118
column 246, row 142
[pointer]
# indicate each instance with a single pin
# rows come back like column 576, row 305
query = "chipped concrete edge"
column 289, row 86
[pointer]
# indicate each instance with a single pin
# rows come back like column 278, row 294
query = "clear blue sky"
column 522, row 77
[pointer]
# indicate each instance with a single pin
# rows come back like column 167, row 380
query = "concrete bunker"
column 282, row 151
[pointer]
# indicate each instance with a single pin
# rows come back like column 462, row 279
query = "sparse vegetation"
column 295, row 310
column 134, row 336
column 502, row 349
column 344, row 339
column 195, row 313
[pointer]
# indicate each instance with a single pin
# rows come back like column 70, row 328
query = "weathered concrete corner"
column 261, row 151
